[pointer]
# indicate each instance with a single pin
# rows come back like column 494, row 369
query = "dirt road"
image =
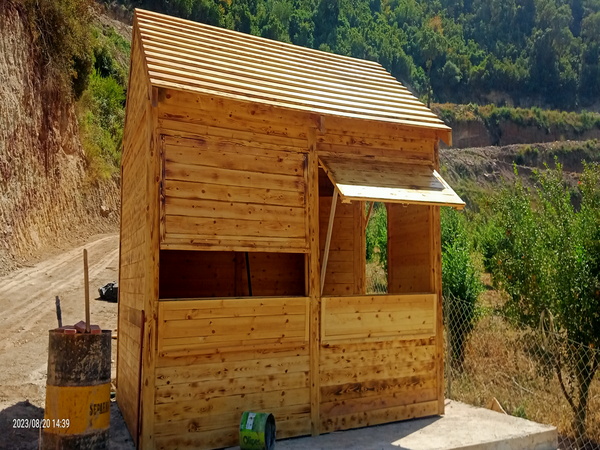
column 27, row 312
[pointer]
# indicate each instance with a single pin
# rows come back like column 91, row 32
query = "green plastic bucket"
column 257, row 431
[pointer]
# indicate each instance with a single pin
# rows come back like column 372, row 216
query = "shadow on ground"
column 19, row 427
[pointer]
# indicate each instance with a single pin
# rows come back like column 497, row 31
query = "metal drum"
column 77, row 413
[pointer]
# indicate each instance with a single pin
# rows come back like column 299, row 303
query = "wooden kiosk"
column 247, row 168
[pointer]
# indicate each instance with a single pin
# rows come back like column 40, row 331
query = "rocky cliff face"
column 45, row 195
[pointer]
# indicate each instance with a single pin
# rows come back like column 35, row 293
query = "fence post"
column 447, row 359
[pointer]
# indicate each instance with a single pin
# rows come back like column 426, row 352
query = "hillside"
column 477, row 172
column 523, row 53
column 49, row 193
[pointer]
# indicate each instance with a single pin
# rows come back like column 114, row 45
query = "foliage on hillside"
column 548, row 262
column 491, row 115
column 101, row 109
column 528, row 52
column 61, row 35
column 77, row 60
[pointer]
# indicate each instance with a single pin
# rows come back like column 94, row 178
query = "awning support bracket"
column 328, row 239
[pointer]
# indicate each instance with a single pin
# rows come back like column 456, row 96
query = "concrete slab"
column 462, row 427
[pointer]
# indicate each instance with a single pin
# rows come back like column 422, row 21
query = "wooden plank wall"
column 233, row 180
column 410, row 246
column 345, row 274
column 134, row 252
column 219, row 358
column 378, row 360
column 196, row 274
column 379, row 355
column 344, row 137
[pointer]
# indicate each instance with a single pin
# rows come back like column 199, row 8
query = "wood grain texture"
column 345, row 247
column 205, row 325
column 436, row 276
column 151, row 291
column 132, row 249
column 367, row 383
column 194, row 57
column 201, row 395
column 380, row 317
column 216, row 189
column 371, row 180
column 379, row 416
column 410, row 257
column 314, row 280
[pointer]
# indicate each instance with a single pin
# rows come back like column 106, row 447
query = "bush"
column 101, row 120
column 377, row 236
column 461, row 283
column 61, row 33
column 549, row 265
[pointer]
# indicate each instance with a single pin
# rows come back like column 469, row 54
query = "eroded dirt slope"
column 46, row 198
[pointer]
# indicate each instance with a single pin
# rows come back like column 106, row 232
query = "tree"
column 549, row 264
column 432, row 45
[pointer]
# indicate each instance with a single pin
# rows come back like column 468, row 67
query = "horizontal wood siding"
column 378, row 360
column 246, row 161
column 226, row 193
column 340, row 277
column 378, row 317
column 374, row 141
column 410, row 247
column 219, row 358
column 134, row 240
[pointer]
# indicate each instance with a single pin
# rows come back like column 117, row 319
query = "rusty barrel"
column 77, row 413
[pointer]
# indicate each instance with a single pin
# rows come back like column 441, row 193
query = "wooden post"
column 328, row 238
column 314, row 283
column 149, row 343
column 436, row 282
column 369, row 214
column 360, row 249
column 86, row 286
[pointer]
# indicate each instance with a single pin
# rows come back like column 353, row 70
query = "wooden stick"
column 369, row 214
column 86, row 283
column 328, row 240
column 58, row 312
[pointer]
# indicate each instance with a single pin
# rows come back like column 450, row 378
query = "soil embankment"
column 46, row 198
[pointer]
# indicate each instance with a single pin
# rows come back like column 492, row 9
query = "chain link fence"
column 538, row 374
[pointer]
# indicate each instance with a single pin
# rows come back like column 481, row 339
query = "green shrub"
column 61, row 33
column 461, row 283
column 101, row 120
column 548, row 262
column 376, row 235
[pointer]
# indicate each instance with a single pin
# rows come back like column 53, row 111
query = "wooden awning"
column 367, row 179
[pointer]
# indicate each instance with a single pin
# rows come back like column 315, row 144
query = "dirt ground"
column 27, row 303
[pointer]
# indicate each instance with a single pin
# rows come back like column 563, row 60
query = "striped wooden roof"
column 191, row 56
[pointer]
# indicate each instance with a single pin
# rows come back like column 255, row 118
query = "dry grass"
column 502, row 361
